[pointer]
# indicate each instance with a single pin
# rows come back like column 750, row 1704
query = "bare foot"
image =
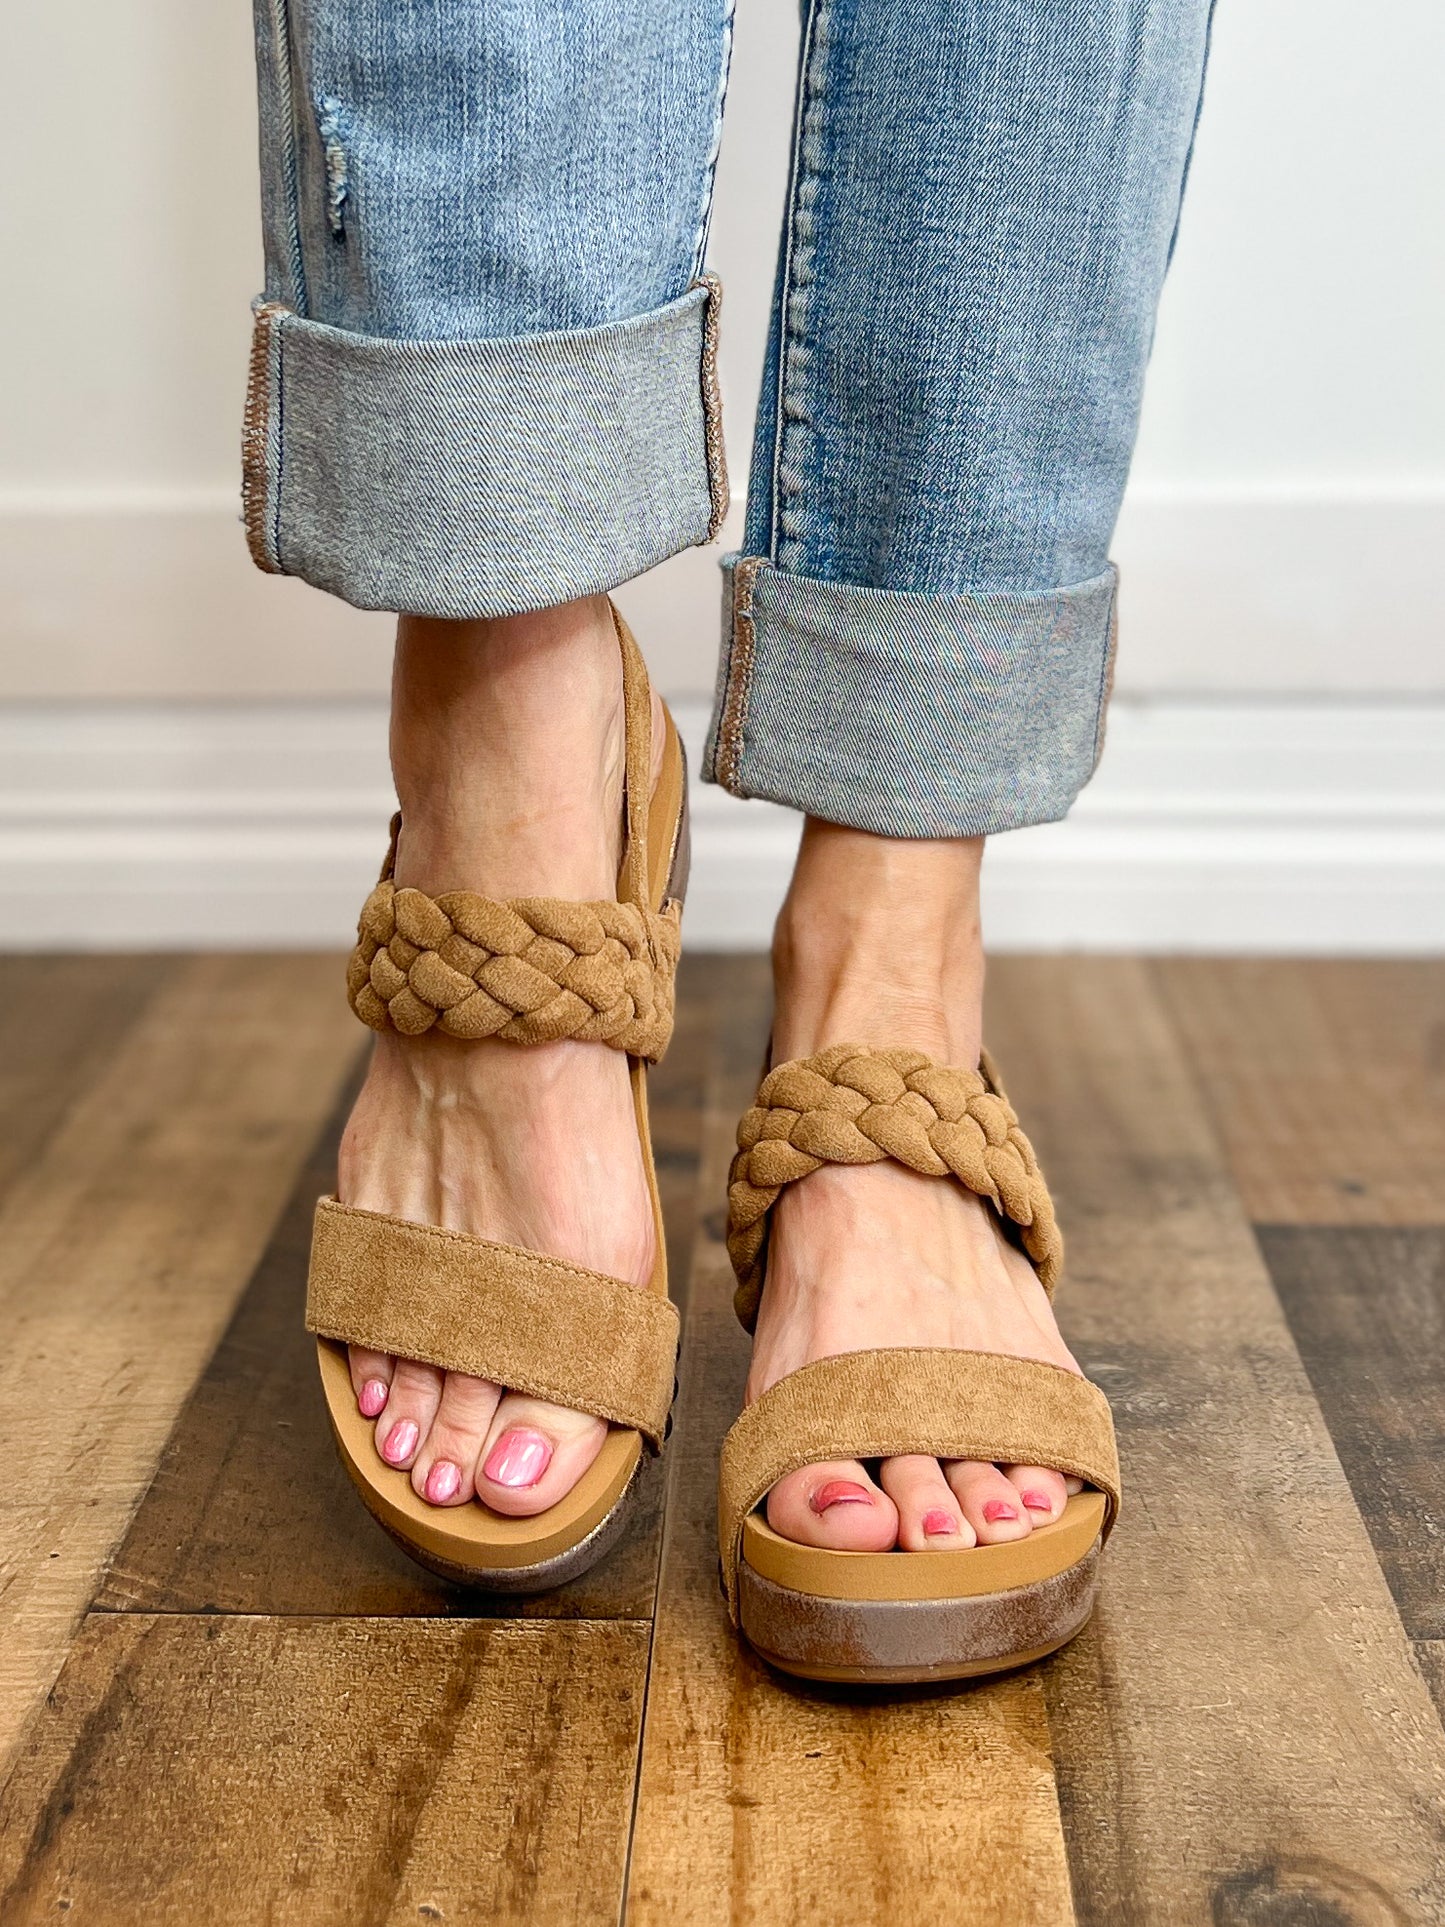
column 879, row 943
column 508, row 752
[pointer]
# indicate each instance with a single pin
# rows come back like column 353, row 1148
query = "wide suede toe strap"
column 948, row 1404
column 552, row 1330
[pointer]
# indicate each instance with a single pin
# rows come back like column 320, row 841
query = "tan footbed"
column 962, row 1574
column 371, row 1273
column 856, row 1104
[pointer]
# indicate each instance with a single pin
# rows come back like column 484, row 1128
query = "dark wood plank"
column 1366, row 1306
column 123, row 1249
column 250, row 1510
column 1325, row 1079
column 1242, row 1735
column 61, row 1020
column 326, row 1773
column 764, row 1801
column 1430, row 1655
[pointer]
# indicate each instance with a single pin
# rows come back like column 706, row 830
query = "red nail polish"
column 400, row 1442
column 839, row 1492
column 442, row 1482
column 1038, row 1502
column 936, row 1523
column 372, row 1397
column 995, row 1509
column 518, row 1459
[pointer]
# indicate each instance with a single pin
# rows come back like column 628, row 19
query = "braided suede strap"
column 530, row 970
column 854, row 1105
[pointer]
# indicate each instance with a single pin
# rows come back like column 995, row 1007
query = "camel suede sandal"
column 894, row 1617
column 530, row 970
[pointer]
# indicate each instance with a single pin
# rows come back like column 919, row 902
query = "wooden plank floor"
column 226, row 1699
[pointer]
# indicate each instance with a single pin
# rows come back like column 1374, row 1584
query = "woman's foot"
column 508, row 752
column 879, row 943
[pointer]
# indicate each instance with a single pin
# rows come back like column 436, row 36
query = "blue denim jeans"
column 484, row 370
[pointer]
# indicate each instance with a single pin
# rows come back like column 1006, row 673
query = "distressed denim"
column 484, row 371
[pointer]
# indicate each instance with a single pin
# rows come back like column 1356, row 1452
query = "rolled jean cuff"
column 905, row 714
column 482, row 478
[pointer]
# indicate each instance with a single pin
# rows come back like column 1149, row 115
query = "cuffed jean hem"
column 483, row 478
column 905, row 714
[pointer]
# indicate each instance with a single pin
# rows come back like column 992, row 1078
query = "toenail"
column 935, row 1524
column 372, row 1397
column 400, row 1442
column 994, row 1509
column 518, row 1458
column 1038, row 1502
column 839, row 1492
column 443, row 1481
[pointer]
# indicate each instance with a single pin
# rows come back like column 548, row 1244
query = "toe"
column 411, row 1406
column 990, row 1504
column 1043, row 1493
column 835, row 1505
column 533, row 1454
column 370, row 1379
column 929, row 1516
column 443, row 1468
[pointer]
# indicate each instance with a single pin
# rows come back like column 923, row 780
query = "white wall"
column 1283, row 532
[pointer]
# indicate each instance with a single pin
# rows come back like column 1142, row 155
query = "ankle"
column 879, row 942
column 507, row 751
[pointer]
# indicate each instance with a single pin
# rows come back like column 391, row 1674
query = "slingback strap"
column 855, row 1105
column 947, row 1404
column 553, row 1330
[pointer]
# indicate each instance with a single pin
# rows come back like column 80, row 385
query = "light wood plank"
column 1243, row 1724
column 1366, row 1305
column 123, row 1249
column 61, row 1018
column 327, row 1773
column 1326, row 1082
column 765, row 1801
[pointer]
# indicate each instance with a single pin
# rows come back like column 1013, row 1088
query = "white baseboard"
column 1212, row 826
column 1272, row 590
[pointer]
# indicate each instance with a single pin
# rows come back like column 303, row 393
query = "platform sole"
column 899, row 1642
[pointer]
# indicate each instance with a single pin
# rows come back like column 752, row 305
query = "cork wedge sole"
column 470, row 1545
column 905, row 1618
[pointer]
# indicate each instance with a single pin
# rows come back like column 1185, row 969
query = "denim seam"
column 259, row 506
column 712, row 419
column 798, row 252
column 699, row 253
column 280, row 13
column 1193, row 137
column 1106, row 672
column 739, row 673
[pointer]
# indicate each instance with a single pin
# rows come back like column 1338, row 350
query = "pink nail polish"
column 518, row 1459
column 442, row 1482
column 839, row 1492
column 936, row 1523
column 995, row 1509
column 1038, row 1502
column 372, row 1397
column 400, row 1442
